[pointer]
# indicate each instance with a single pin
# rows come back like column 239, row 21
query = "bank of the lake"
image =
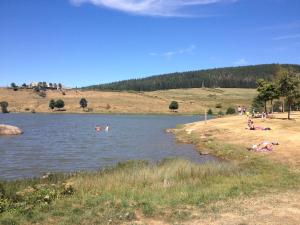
column 246, row 188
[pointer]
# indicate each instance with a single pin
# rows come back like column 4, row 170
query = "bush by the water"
column 209, row 112
column 4, row 106
column 173, row 106
column 230, row 110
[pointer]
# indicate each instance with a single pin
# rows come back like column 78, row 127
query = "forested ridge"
column 229, row 77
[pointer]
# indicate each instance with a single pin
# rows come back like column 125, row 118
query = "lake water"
column 68, row 142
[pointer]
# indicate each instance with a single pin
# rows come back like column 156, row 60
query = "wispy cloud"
column 290, row 25
column 166, row 8
column 170, row 54
column 284, row 37
column 240, row 62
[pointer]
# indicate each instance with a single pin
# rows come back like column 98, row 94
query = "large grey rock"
column 9, row 130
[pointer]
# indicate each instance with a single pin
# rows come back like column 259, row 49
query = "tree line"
column 230, row 77
column 285, row 86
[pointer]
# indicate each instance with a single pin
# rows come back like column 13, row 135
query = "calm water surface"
column 68, row 142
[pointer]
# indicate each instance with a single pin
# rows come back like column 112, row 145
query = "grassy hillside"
column 230, row 77
column 191, row 101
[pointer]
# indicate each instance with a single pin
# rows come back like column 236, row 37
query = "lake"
column 69, row 142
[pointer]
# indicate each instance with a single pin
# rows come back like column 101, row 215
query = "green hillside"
column 229, row 77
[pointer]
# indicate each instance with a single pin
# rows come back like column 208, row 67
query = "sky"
column 85, row 42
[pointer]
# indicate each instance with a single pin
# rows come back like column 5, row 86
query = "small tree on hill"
column 173, row 106
column 4, row 106
column 83, row 103
column 52, row 104
column 59, row 104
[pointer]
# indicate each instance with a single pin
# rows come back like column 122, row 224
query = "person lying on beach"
column 265, row 146
column 257, row 127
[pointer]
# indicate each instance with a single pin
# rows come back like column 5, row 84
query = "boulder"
column 9, row 130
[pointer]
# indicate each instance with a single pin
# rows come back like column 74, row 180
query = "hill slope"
column 230, row 77
column 191, row 101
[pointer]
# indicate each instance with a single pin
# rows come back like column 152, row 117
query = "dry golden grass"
column 191, row 101
column 233, row 130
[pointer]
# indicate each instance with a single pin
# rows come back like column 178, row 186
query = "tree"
column 173, row 106
column 209, row 112
column 52, row 104
column 60, row 86
column 13, row 85
column 257, row 104
column 83, row 103
column 267, row 92
column 59, row 104
column 4, row 106
column 24, row 85
column 288, row 86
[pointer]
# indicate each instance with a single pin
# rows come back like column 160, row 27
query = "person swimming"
column 98, row 128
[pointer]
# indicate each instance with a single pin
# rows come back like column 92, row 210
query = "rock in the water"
column 9, row 130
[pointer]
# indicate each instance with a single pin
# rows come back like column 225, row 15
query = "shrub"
column 219, row 105
column 209, row 112
column 52, row 104
column 173, row 105
column 108, row 106
column 4, row 106
column 59, row 104
column 230, row 110
column 220, row 113
column 83, row 103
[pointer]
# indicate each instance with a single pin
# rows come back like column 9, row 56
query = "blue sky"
column 82, row 42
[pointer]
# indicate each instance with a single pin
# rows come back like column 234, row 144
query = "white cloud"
column 285, row 37
column 167, row 8
column 169, row 54
column 240, row 62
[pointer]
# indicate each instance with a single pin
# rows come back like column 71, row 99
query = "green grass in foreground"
column 118, row 194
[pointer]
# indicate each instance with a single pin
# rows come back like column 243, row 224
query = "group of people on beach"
column 242, row 110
